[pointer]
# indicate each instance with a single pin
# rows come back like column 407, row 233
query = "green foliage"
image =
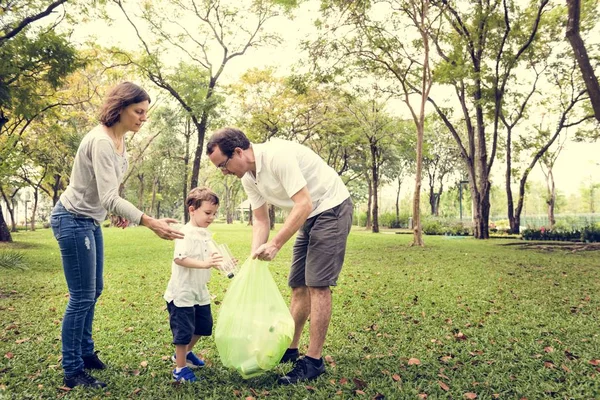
column 12, row 259
column 590, row 233
column 440, row 226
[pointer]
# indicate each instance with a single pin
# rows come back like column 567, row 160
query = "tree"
column 580, row 52
column 33, row 64
column 214, row 33
column 440, row 160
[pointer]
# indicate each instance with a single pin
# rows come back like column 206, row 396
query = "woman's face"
column 134, row 115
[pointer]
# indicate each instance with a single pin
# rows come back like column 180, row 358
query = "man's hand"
column 266, row 252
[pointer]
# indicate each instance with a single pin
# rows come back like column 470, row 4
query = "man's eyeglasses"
column 223, row 165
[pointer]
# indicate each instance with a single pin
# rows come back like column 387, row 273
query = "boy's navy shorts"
column 188, row 321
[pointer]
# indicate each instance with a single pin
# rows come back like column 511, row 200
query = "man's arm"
column 297, row 217
column 260, row 226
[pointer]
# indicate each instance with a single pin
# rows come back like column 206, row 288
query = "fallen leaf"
column 396, row 377
column 135, row 372
column 343, row 381
column 339, row 393
column 443, row 386
column 65, row 388
column 329, row 360
column 359, row 392
column 136, row 391
column 332, row 381
column 11, row 326
column 595, row 362
column 445, row 359
column 237, row 393
column 19, row 341
column 549, row 349
column 254, row 392
column 310, row 388
column 414, row 361
column 460, row 336
column 360, row 384
column 165, row 358
column 470, row 395
column 548, row 364
column 422, row 396
column 144, row 364
column 250, row 398
column 9, row 355
column 129, row 329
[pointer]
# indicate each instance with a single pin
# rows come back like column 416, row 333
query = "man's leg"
column 300, row 309
column 320, row 315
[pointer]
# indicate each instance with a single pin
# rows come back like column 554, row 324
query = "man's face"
column 228, row 165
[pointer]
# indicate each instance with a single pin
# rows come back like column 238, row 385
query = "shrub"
column 11, row 259
column 388, row 220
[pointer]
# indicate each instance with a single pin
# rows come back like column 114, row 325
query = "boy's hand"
column 215, row 260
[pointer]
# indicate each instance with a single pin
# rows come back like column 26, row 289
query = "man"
column 295, row 178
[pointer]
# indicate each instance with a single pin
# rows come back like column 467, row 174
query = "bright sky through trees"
column 578, row 164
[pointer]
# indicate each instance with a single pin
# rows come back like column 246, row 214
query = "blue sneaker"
column 185, row 375
column 191, row 360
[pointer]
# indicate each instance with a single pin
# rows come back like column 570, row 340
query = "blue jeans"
column 81, row 248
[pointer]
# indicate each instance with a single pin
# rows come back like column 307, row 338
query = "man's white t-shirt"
column 283, row 168
column 187, row 286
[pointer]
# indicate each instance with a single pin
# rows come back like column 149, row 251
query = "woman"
column 93, row 190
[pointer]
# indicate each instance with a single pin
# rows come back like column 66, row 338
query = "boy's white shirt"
column 187, row 286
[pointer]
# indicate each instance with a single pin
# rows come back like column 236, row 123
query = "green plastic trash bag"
column 254, row 326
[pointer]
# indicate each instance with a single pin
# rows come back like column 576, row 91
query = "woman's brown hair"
column 121, row 96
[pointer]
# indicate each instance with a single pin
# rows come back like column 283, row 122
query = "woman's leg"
column 87, row 343
column 77, row 247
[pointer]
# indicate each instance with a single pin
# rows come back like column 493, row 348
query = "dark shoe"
column 304, row 370
column 289, row 355
column 83, row 378
column 93, row 362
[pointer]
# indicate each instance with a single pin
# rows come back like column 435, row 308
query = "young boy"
column 187, row 297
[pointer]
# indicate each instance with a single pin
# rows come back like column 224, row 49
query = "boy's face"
column 204, row 215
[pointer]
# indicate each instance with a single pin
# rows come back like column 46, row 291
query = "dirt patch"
column 546, row 246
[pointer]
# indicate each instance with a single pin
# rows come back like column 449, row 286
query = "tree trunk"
column 551, row 198
column 140, row 202
column 581, row 55
column 4, row 232
column 369, row 203
column 272, row 216
column 375, row 179
column 186, row 163
column 398, row 202
column 416, row 209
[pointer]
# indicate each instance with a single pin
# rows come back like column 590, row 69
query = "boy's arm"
column 212, row 262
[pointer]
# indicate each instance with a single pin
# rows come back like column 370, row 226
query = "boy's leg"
column 180, row 353
column 191, row 345
column 181, row 321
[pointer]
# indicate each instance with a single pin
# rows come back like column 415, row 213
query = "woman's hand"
column 121, row 222
column 161, row 227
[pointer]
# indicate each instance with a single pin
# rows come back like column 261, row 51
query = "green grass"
column 485, row 317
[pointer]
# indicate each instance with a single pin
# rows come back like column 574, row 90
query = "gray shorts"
column 320, row 247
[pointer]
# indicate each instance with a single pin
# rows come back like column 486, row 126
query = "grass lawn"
column 455, row 319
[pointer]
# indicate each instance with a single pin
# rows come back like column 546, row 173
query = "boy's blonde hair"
column 197, row 195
